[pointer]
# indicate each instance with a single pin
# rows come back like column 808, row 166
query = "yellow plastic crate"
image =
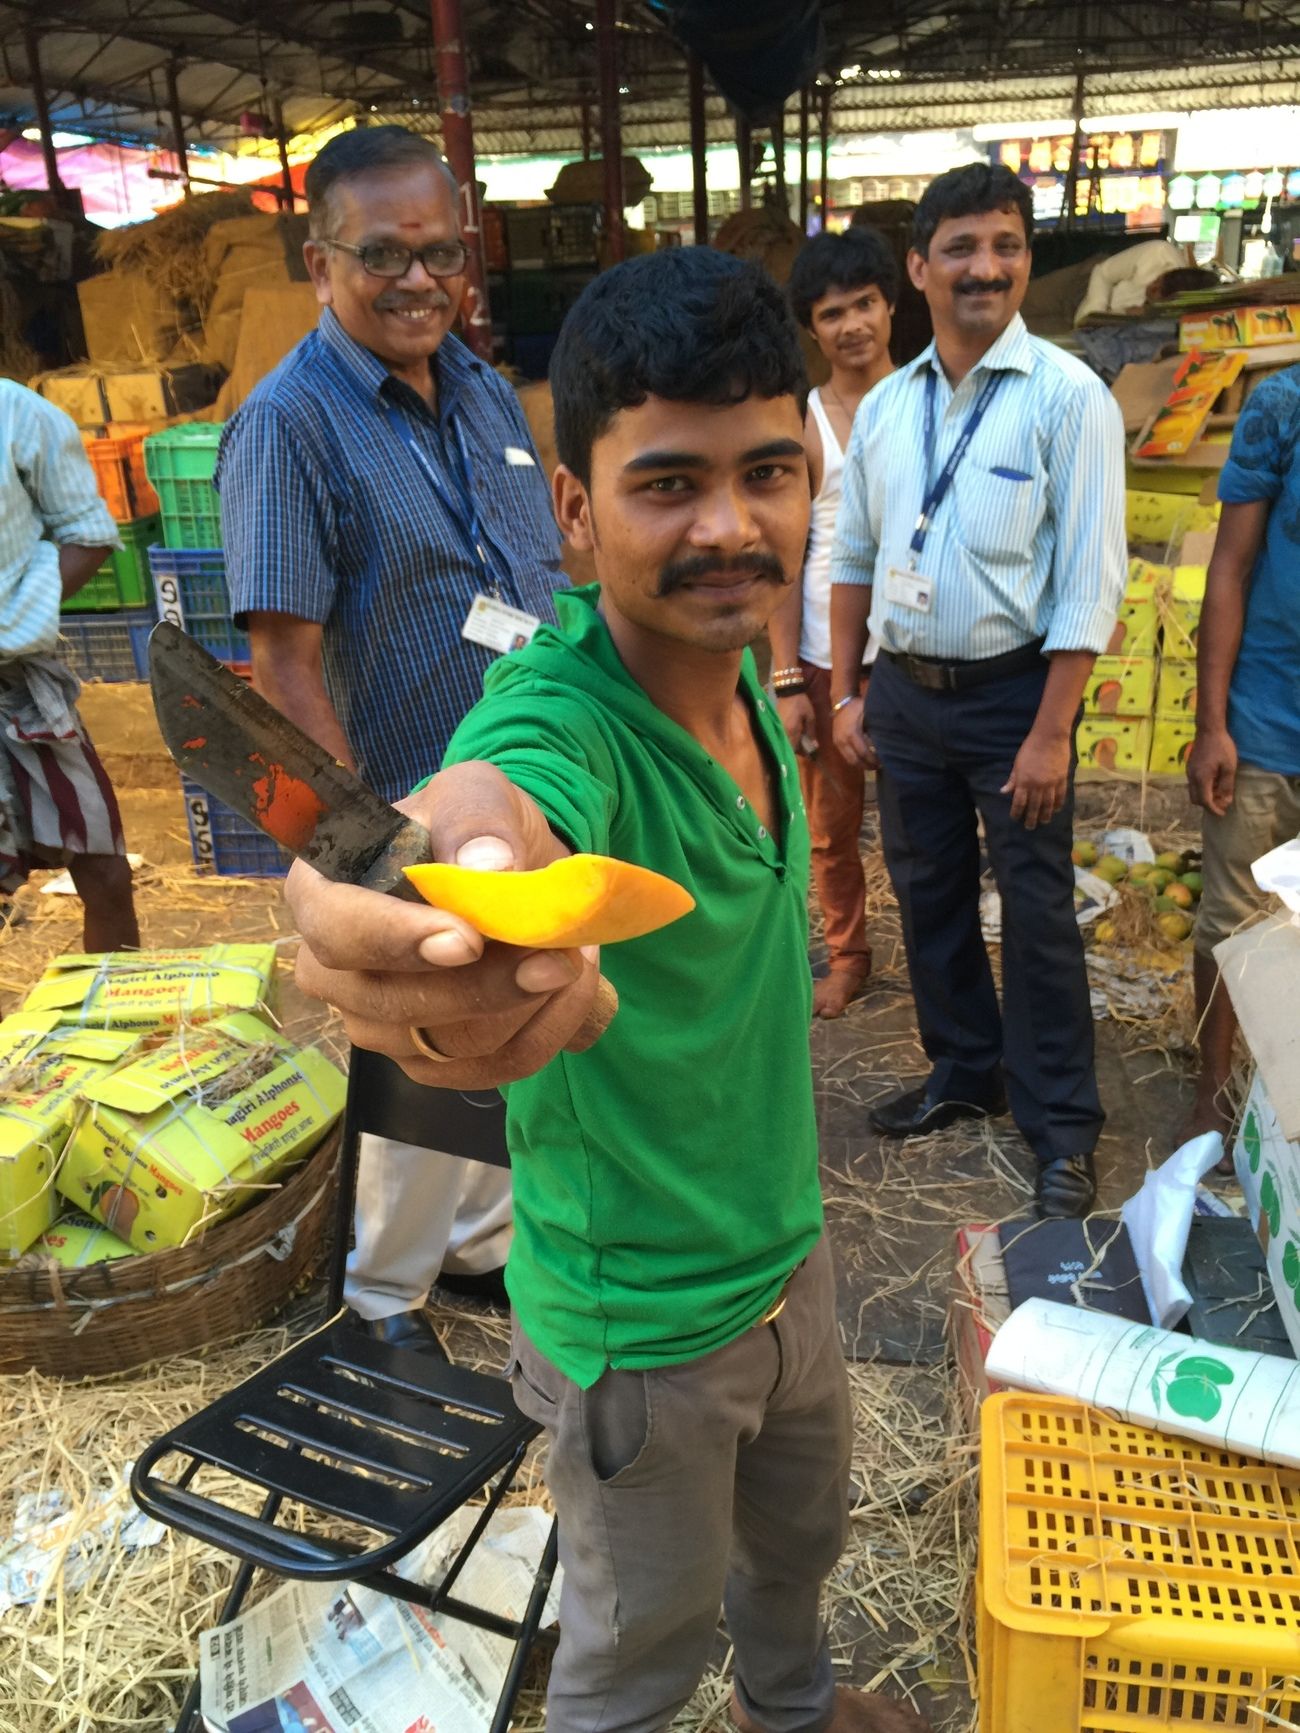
column 1129, row 1580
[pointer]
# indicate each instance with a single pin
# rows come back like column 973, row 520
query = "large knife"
column 229, row 740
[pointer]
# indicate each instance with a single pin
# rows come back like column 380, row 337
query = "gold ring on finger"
column 422, row 1044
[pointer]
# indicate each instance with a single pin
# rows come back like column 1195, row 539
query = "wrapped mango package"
column 152, row 989
column 43, row 1065
column 195, row 1129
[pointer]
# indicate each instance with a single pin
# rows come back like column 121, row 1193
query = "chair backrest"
column 383, row 1101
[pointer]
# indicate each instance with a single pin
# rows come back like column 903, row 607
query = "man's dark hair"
column 969, row 191
column 859, row 258
column 688, row 324
column 363, row 150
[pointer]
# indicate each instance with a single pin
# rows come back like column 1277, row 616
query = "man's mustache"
column 996, row 285
column 410, row 303
column 678, row 573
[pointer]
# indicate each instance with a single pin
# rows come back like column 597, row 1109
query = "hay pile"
column 169, row 249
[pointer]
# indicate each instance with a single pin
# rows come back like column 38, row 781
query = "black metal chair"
column 344, row 1428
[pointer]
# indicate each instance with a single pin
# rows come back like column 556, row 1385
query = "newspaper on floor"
column 1091, row 896
column 339, row 1658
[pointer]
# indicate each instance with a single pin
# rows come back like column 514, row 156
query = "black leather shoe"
column 410, row 1330
column 917, row 1112
column 488, row 1287
column 1067, row 1186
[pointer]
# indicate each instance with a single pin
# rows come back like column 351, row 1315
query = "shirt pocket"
column 1002, row 507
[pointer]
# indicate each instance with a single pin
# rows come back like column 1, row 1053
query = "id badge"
column 496, row 625
column 909, row 589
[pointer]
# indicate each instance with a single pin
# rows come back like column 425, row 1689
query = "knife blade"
column 229, row 740
column 242, row 750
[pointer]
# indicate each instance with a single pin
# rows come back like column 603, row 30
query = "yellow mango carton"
column 1151, row 516
column 1134, row 633
column 77, row 1240
column 1171, row 741
column 156, row 989
column 1176, row 689
column 1120, row 686
column 196, row 1129
column 1113, row 742
column 1180, row 613
column 43, row 1065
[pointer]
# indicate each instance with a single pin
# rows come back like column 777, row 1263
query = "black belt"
column 939, row 676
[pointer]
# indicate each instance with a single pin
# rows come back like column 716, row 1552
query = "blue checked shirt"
column 1029, row 541
column 48, row 499
column 329, row 512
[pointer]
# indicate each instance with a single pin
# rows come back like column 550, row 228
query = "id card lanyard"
column 936, row 490
column 463, row 511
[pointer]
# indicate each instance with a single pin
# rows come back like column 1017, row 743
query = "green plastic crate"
column 179, row 462
column 123, row 581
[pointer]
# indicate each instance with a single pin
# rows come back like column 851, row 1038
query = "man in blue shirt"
column 981, row 535
column 1244, row 767
column 388, row 530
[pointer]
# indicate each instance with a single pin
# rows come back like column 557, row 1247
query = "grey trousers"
column 721, row 1482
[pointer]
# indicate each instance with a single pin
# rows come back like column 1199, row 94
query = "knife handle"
column 603, row 1009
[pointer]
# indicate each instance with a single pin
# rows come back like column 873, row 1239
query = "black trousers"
column 944, row 759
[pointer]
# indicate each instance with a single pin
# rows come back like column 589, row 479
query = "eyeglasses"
column 387, row 259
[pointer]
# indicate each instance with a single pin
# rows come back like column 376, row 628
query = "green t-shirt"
column 665, row 1181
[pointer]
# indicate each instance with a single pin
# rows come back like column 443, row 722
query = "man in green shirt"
column 674, row 1328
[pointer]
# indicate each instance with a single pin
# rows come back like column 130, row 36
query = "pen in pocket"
column 1010, row 474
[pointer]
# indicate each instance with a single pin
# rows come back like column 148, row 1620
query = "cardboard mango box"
column 1135, row 628
column 77, row 1240
column 1180, row 613
column 1268, row 1167
column 1113, row 742
column 155, row 989
column 43, row 1065
column 1120, row 686
column 1150, row 516
column 1176, row 689
column 1171, row 741
column 1239, row 328
column 191, row 1131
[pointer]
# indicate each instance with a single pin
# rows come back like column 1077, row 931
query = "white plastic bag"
column 1158, row 1219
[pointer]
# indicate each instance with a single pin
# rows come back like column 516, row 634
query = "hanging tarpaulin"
column 758, row 54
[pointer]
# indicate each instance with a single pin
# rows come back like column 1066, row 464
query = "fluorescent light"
column 850, row 72
column 1134, row 122
column 993, row 131
column 60, row 140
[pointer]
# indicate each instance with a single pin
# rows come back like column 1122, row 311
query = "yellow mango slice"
column 585, row 899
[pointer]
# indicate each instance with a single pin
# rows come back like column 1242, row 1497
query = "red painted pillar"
column 699, row 152
column 458, row 147
column 611, row 129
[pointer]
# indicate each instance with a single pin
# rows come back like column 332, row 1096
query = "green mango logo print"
column 1270, row 1202
column 1250, row 1137
column 1291, row 1270
column 1194, row 1389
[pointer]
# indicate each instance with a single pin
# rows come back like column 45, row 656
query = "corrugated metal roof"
column 533, row 64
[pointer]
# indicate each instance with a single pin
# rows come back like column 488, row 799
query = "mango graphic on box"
column 1120, row 686
column 77, row 1240
column 1197, row 383
column 1113, row 742
column 42, row 1068
column 1162, row 518
column 154, row 989
column 1176, row 689
column 1171, row 742
column 1134, row 633
column 1180, row 613
column 193, row 1130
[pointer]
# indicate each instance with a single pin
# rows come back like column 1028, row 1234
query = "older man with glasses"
column 388, row 531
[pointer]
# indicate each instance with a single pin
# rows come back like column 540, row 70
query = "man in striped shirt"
column 981, row 536
column 57, row 806
column 380, row 494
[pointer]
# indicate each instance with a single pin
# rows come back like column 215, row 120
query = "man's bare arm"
column 288, row 672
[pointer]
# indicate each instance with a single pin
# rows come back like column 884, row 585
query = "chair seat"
column 350, row 1428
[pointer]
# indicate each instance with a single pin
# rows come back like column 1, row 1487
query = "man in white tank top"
column 843, row 289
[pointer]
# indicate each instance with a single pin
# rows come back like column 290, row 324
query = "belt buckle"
column 932, row 675
column 775, row 1310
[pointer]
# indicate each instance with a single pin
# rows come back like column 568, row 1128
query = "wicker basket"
column 112, row 1316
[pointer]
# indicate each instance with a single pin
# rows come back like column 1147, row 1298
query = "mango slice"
column 585, row 899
